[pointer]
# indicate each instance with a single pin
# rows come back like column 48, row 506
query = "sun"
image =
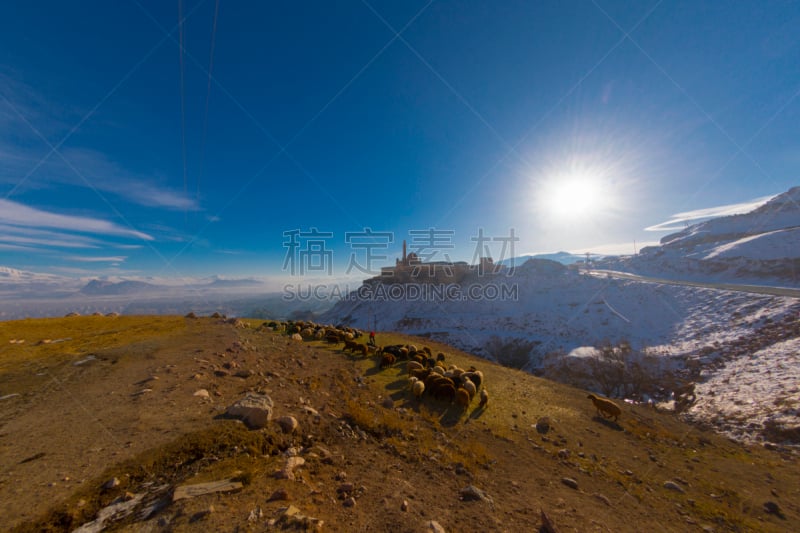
column 576, row 195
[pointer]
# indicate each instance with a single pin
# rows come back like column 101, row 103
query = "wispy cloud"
column 26, row 116
column 17, row 214
column 108, row 176
column 90, row 259
column 678, row 221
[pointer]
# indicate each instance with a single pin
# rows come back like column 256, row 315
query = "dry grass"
column 57, row 339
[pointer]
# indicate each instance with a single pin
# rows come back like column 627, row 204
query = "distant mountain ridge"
column 565, row 258
column 98, row 287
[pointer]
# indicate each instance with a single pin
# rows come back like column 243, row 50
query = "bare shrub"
column 514, row 352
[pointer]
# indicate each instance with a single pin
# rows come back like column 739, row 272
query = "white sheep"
column 469, row 386
column 418, row 388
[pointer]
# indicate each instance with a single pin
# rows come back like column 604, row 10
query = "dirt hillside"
column 123, row 418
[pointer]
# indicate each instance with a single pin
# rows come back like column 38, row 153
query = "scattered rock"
column 543, row 424
column 310, row 411
column 280, row 494
column 292, row 517
column 346, row 488
column 201, row 393
column 671, row 485
column 473, row 493
column 255, row 514
column 244, row 374
column 255, row 410
column 404, row 506
column 198, row 489
column 116, row 511
column 771, row 507
column 602, row 498
column 288, row 470
column 288, row 424
column 349, row 502
column 547, row 525
column 563, row 453
column 388, row 403
column 435, row 527
column 569, row 482
column 190, row 314
column 111, row 483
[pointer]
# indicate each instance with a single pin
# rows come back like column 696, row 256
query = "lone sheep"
column 605, row 407
column 484, row 399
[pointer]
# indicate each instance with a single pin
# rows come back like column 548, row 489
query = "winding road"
column 757, row 289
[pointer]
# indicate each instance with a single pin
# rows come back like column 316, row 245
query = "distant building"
column 411, row 269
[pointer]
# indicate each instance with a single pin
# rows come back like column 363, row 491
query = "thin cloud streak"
column 89, row 259
column 17, row 214
column 678, row 220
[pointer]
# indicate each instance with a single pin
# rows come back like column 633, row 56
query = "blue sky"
column 133, row 144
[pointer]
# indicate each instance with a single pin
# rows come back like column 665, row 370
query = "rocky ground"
column 120, row 422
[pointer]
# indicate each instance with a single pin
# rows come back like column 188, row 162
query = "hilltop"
column 95, row 410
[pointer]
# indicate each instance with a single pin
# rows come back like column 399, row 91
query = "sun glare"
column 573, row 196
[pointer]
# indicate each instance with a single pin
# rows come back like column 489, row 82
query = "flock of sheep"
column 427, row 375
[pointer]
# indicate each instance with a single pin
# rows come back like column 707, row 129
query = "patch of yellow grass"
column 56, row 339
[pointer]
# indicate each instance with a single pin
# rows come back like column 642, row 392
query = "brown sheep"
column 605, row 407
column 462, row 398
column 469, row 387
column 484, row 399
column 387, row 360
column 445, row 392
column 350, row 345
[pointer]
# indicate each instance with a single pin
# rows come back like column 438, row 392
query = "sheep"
column 470, row 387
column 484, row 399
column 445, row 392
column 440, row 356
column 439, row 370
column 421, row 373
column 475, row 376
column 363, row 349
column 349, row 345
column 387, row 360
column 418, row 388
column 413, row 365
column 462, row 397
column 426, row 350
column 605, row 407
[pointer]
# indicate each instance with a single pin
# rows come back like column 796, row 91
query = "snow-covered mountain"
column 759, row 247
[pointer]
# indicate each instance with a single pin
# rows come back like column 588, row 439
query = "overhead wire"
column 208, row 99
column 181, row 40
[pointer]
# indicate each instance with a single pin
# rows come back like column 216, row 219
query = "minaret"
column 405, row 259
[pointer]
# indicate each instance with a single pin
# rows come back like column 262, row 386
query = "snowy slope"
column 562, row 310
column 759, row 247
